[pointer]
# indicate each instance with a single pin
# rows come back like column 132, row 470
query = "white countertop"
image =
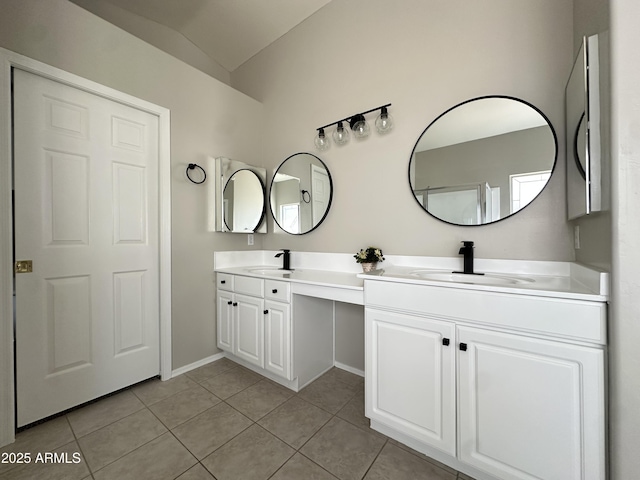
column 578, row 285
column 566, row 280
column 325, row 278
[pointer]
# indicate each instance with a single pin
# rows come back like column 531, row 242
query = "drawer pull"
column 445, row 342
column 463, row 347
column 265, row 312
column 223, row 281
column 275, row 290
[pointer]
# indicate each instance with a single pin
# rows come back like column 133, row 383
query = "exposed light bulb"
column 341, row 135
column 359, row 126
column 321, row 141
column 384, row 122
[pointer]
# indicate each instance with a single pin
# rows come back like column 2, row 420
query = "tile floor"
column 223, row 422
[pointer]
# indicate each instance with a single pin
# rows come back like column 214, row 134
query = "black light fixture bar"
column 354, row 115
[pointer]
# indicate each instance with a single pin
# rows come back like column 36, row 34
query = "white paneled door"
column 320, row 192
column 86, row 216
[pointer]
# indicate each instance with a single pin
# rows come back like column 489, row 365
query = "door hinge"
column 23, row 266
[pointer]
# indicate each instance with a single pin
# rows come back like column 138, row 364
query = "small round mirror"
column 243, row 202
column 301, row 193
column 482, row 160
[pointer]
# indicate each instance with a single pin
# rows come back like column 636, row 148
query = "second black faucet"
column 467, row 251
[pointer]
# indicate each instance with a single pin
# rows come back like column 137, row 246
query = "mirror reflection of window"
column 525, row 187
column 290, row 217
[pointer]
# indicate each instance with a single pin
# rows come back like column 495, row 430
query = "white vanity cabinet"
column 224, row 327
column 410, row 376
column 277, row 328
column 254, row 321
column 530, row 408
column 516, row 393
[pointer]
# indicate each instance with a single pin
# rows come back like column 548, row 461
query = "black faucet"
column 467, row 251
column 286, row 259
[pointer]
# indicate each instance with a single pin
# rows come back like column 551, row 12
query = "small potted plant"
column 369, row 258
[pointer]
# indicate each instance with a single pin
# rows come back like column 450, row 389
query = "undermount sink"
column 486, row 279
column 269, row 271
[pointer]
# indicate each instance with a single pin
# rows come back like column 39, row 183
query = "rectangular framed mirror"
column 587, row 135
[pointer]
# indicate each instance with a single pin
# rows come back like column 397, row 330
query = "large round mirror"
column 301, row 192
column 482, row 160
column 243, row 202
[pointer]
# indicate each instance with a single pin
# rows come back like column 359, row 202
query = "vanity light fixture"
column 341, row 135
column 384, row 122
column 321, row 141
column 358, row 125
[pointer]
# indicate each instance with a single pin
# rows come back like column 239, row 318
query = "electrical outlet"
column 576, row 237
column 250, row 239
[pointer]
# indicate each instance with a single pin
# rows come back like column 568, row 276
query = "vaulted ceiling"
column 229, row 32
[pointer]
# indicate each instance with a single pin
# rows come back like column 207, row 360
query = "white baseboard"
column 347, row 368
column 199, row 363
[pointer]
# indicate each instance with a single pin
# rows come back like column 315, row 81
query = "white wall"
column 624, row 327
column 589, row 18
column 423, row 56
column 207, row 118
column 165, row 38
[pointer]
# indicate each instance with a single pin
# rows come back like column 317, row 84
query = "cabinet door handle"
column 463, row 347
column 275, row 290
column 229, row 302
column 235, row 304
column 223, row 281
column 445, row 342
column 265, row 312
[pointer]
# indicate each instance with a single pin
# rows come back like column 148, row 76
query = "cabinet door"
column 249, row 329
column 224, row 326
column 530, row 408
column 410, row 374
column 277, row 338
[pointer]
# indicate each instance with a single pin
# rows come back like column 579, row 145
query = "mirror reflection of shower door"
column 462, row 204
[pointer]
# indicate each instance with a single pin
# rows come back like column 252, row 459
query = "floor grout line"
column 354, row 389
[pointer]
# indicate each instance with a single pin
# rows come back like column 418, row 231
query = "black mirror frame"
column 507, row 97
column 264, row 203
column 330, row 193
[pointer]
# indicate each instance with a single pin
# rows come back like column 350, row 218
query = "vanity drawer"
column 248, row 285
column 570, row 319
column 225, row 281
column 276, row 290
